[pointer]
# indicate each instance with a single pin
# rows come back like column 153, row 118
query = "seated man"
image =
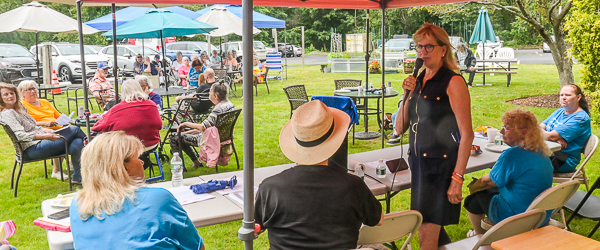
column 521, row 173
column 156, row 66
column 466, row 61
column 209, row 74
column 313, row 205
column 101, row 87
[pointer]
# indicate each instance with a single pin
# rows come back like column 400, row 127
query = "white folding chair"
column 395, row 226
column 511, row 226
column 553, row 198
column 489, row 54
column 505, row 53
column 275, row 69
column 579, row 174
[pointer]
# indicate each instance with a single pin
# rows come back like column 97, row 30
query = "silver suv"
column 67, row 61
column 259, row 49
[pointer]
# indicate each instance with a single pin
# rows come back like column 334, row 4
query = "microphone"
column 418, row 65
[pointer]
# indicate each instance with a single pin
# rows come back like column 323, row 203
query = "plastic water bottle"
column 177, row 170
column 358, row 171
column 230, row 68
column 380, row 170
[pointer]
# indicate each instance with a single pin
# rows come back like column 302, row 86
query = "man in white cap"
column 313, row 205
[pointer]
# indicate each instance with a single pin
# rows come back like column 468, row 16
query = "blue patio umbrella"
column 483, row 32
column 125, row 15
column 159, row 23
column 259, row 20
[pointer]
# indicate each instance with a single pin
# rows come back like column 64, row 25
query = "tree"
column 584, row 34
column 541, row 16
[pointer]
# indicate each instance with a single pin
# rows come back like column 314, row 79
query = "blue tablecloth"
column 342, row 103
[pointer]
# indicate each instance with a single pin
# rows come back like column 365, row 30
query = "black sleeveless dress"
column 433, row 151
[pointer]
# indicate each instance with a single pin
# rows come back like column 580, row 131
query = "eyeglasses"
column 428, row 47
column 31, row 89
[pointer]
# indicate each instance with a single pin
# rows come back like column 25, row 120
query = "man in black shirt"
column 313, row 205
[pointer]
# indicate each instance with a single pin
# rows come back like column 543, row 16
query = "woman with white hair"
column 116, row 211
column 153, row 96
column 136, row 115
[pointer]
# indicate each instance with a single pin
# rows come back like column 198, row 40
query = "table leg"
column 366, row 135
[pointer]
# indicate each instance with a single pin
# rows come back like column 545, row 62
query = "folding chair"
column 510, row 226
column 553, row 198
column 274, row 67
column 296, row 95
column 585, row 205
column 225, row 123
column 395, row 227
column 579, row 174
column 19, row 159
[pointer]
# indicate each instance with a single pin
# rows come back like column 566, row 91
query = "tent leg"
column 83, row 74
column 114, row 30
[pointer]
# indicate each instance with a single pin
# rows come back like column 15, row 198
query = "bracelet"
column 458, row 175
column 457, row 179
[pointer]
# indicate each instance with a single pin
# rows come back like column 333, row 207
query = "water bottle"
column 177, row 170
column 230, row 68
column 358, row 171
column 380, row 170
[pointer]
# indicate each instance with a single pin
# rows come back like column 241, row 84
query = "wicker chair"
column 225, row 124
column 343, row 83
column 296, row 95
column 19, row 159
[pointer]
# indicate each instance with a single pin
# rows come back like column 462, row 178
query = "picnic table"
column 548, row 237
column 498, row 69
column 223, row 208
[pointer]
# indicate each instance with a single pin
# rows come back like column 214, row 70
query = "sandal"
column 471, row 233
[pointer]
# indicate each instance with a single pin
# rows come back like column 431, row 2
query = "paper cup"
column 491, row 132
column 360, row 90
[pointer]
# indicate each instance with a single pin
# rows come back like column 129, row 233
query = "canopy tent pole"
column 164, row 60
column 83, row 74
column 37, row 60
column 367, row 55
column 246, row 232
column 383, row 72
column 114, row 40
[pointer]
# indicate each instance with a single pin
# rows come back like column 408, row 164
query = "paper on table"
column 185, row 195
column 480, row 135
column 239, row 196
column 238, row 187
column 64, row 119
column 374, row 164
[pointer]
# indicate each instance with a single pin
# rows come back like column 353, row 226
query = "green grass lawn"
column 271, row 112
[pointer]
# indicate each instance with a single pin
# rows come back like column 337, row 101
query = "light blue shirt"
column 576, row 129
column 155, row 221
column 521, row 175
column 193, row 76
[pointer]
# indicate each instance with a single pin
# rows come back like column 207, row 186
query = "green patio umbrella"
column 483, row 32
column 159, row 23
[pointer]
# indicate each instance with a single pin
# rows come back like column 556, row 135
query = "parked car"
column 496, row 46
column 545, row 47
column 270, row 49
column 67, row 60
column 297, row 50
column 284, row 49
column 16, row 64
column 259, row 49
column 397, row 45
column 95, row 48
column 187, row 49
column 126, row 55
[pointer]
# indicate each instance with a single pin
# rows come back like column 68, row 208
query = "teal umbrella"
column 483, row 32
column 160, row 23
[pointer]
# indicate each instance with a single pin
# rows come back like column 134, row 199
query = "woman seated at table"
column 259, row 70
column 136, row 115
column 153, row 96
column 39, row 142
column 183, row 72
column 570, row 126
column 231, row 61
column 115, row 210
column 101, row 87
column 521, row 173
column 218, row 96
column 195, row 73
column 40, row 109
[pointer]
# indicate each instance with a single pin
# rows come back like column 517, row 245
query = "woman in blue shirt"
column 114, row 210
column 521, row 173
column 570, row 126
column 195, row 72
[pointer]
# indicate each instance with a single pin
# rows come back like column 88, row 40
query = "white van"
column 259, row 49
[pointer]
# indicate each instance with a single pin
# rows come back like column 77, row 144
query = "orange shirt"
column 45, row 112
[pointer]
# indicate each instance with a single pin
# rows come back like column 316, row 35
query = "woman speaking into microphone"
column 437, row 112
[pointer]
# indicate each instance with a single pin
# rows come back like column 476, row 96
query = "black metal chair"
column 265, row 82
column 225, row 124
column 77, row 97
column 350, row 83
column 19, row 159
column 585, row 205
column 221, row 74
column 296, row 95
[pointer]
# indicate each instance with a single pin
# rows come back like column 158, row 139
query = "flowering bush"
column 374, row 65
column 409, row 63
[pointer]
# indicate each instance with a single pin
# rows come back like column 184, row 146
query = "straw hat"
column 314, row 133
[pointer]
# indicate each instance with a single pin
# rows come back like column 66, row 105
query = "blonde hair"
column 533, row 140
column 18, row 105
column 24, row 85
column 441, row 37
column 106, row 183
column 132, row 91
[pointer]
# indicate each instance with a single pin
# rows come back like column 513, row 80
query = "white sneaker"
column 56, row 175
